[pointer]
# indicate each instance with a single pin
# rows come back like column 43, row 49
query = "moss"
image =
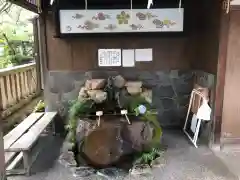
column 78, row 109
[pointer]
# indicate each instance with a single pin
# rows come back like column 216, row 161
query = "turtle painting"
column 158, row 23
column 110, row 27
column 136, row 26
column 77, row 16
column 101, row 16
column 88, row 25
column 142, row 16
column 165, row 23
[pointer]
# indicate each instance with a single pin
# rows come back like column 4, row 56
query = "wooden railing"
column 18, row 85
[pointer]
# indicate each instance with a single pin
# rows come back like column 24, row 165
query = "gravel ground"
column 182, row 162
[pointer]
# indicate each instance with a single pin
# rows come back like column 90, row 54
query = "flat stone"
column 113, row 173
column 140, row 169
column 168, row 103
column 159, row 162
column 134, row 90
column 67, row 159
column 137, row 84
column 95, row 84
column 67, row 146
column 83, row 171
column 164, row 91
column 98, row 96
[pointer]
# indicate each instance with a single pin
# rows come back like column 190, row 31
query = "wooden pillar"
column 220, row 79
column 37, row 53
column 2, row 159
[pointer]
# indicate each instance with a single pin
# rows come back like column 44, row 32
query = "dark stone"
column 113, row 173
column 169, row 117
column 164, row 91
column 67, row 159
column 140, row 169
column 183, row 100
column 164, row 78
column 83, row 171
column 183, row 88
column 100, row 74
column 168, row 103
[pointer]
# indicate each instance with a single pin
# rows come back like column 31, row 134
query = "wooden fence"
column 18, row 85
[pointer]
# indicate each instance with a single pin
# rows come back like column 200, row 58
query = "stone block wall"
column 171, row 90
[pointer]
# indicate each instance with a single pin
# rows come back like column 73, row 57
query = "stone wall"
column 171, row 90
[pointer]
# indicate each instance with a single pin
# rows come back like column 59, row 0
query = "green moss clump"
column 40, row 107
column 78, row 109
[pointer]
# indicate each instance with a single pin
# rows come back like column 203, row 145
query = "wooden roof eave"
column 26, row 5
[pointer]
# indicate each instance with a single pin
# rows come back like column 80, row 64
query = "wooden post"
column 221, row 70
column 2, row 158
column 37, row 53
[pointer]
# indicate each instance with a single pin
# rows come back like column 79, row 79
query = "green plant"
column 40, row 107
column 78, row 109
column 18, row 59
column 148, row 157
column 150, row 115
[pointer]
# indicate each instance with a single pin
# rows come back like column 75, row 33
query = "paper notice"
column 128, row 58
column 143, row 54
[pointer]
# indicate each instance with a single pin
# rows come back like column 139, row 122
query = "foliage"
column 40, row 107
column 15, row 25
column 135, row 101
column 150, row 116
column 18, row 59
column 78, row 109
column 148, row 157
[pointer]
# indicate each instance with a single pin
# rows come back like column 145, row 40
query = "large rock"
column 98, row 96
column 138, row 135
column 113, row 139
column 95, row 84
column 119, row 81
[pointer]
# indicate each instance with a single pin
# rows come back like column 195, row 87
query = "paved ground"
column 183, row 162
column 231, row 156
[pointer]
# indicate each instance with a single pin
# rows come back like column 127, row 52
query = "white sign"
column 109, row 57
column 128, row 59
column 121, row 20
column 143, row 54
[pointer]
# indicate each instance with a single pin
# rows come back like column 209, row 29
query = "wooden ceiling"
column 96, row 4
column 117, row 4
